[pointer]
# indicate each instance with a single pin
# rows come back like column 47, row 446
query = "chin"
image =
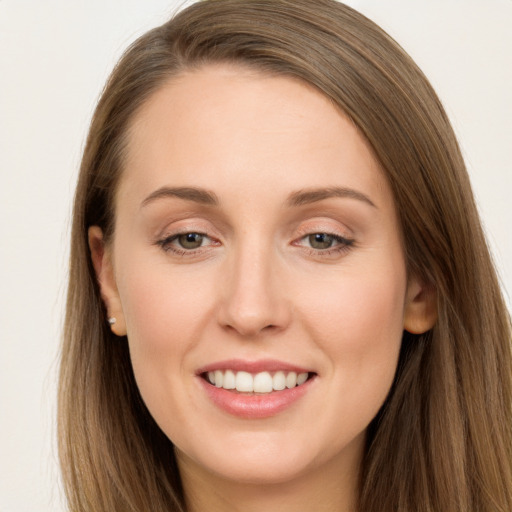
column 260, row 471
column 263, row 459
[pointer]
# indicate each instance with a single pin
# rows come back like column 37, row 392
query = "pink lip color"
column 253, row 406
column 262, row 365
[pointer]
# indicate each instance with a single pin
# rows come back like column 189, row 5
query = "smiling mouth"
column 256, row 383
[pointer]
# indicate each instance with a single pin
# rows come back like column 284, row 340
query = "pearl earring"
column 112, row 320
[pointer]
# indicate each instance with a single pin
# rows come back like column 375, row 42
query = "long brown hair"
column 443, row 439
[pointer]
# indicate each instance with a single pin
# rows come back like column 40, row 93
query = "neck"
column 331, row 487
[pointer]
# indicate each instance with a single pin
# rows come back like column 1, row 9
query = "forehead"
column 224, row 119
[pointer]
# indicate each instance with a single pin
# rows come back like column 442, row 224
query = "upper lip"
column 261, row 365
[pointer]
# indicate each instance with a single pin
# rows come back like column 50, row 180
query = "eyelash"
column 342, row 244
column 166, row 244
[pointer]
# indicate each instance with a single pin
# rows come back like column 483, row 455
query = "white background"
column 54, row 58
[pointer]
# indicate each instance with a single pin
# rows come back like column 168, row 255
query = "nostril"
column 250, row 329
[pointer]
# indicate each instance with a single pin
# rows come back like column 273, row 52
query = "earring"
column 112, row 320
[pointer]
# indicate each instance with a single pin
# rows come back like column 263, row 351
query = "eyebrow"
column 299, row 198
column 308, row 196
column 197, row 195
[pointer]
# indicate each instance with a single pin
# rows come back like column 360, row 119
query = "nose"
column 253, row 297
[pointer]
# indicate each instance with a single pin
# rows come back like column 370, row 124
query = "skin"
column 258, row 288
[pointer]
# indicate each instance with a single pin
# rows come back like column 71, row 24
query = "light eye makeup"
column 186, row 243
column 320, row 237
column 315, row 244
column 325, row 244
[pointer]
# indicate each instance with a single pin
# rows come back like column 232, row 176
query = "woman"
column 280, row 294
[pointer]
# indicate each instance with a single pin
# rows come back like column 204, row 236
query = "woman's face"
column 256, row 238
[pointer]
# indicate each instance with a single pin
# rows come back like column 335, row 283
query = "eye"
column 321, row 240
column 190, row 240
column 186, row 243
column 324, row 244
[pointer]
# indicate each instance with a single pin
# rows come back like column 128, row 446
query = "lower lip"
column 253, row 406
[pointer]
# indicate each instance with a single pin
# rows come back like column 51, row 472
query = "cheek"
column 164, row 313
column 358, row 324
column 159, row 304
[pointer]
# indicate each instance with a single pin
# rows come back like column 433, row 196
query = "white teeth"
column 262, row 382
column 291, row 380
column 301, row 378
column 244, row 382
column 229, row 381
column 279, row 381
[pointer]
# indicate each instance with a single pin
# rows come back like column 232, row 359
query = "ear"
column 420, row 312
column 102, row 261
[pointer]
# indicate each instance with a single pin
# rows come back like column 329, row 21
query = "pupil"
column 320, row 241
column 191, row 240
